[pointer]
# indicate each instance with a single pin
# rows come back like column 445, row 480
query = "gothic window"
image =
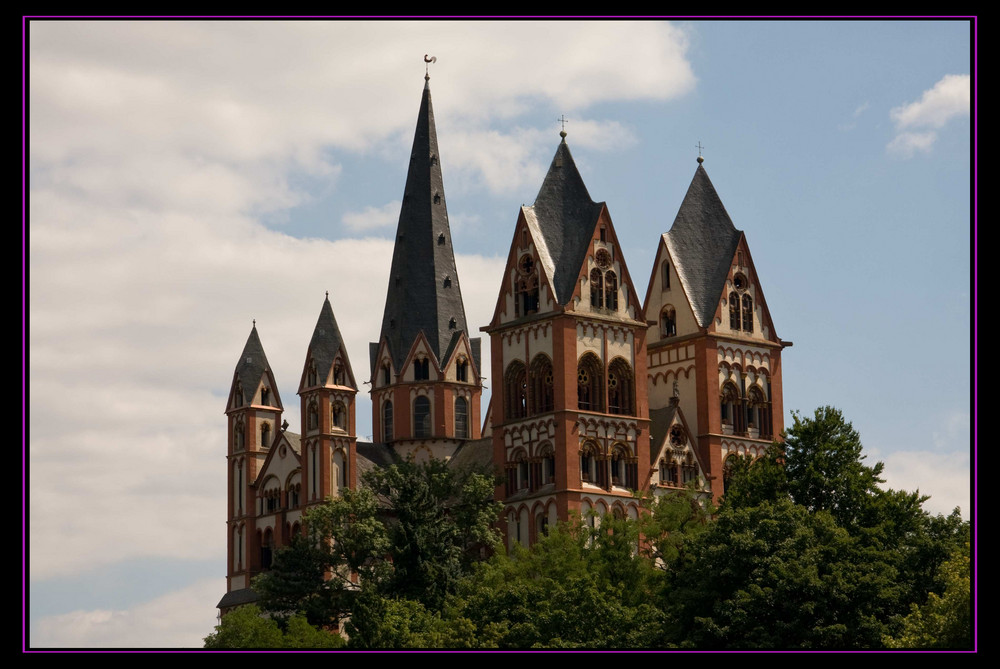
column 590, row 383
column 548, row 473
column 238, row 401
column 732, row 409
column 522, row 472
column 293, row 499
column 441, row 239
column 542, row 389
column 386, row 374
column 624, row 468
column 690, row 469
column 387, row 422
column 421, row 417
column 620, row 388
column 462, row 370
column 437, row 198
column 747, row 313
column 312, row 376
column 727, row 473
column 265, row 436
column 312, row 416
column 421, row 369
column 592, row 466
column 461, row 418
column 676, row 436
column 526, row 288
column 339, row 415
column 734, row 311
column 265, row 397
column 759, row 411
column 447, row 282
column 239, row 442
column 668, row 322
column 666, row 275
column 611, row 291
column 604, row 234
column 339, row 378
column 596, row 288
column 668, row 470
column 452, row 324
column 515, row 390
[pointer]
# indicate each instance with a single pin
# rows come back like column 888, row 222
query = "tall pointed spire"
column 252, row 366
column 565, row 216
column 702, row 241
column 424, row 293
column 326, row 342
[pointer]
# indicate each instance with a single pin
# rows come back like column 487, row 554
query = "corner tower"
column 712, row 345
column 425, row 368
column 570, row 421
column 253, row 412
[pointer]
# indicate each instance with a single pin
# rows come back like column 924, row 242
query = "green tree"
column 945, row 620
column 245, row 628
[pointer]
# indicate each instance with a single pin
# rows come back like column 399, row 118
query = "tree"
column 249, row 627
column 945, row 621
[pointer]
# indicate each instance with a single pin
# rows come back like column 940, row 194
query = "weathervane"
column 563, row 120
column 427, row 67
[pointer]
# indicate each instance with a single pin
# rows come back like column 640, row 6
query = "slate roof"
column 423, row 257
column 702, row 242
column 562, row 221
column 327, row 341
column 252, row 365
column 237, row 598
column 660, row 421
column 474, row 454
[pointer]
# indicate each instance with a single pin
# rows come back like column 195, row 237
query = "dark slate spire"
column 424, row 293
column 326, row 342
column 702, row 242
column 252, row 365
column 565, row 216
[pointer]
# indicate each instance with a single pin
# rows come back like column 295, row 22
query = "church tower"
column 570, row 421
column 712, row 346
column 327, row 391
column 253, row 412
column 425, row 368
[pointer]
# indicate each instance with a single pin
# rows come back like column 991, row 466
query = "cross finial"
column 255, row 322
column 427, row 65
column 700, row 147
column 563, row 121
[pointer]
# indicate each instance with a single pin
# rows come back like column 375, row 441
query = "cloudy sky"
column 188, row 177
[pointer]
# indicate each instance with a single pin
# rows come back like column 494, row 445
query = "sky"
column 186, row 178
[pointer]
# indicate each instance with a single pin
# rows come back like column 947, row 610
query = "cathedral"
column 596, row 392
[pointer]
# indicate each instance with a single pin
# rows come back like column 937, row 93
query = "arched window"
column 593, row 468
column 734, row 311
column 727, row 473
column 624, row 468
column 668, row 322
column 239, row 442
column 421, row 417
column 515, row 390
column 666, row 275
column 747, row 313
column 387, row 421
column 265, row 549
column 732, row 409
column 265, row 397
column 596, row 288
column 690, row 469
column 621, row 388
column 339, row 415
column 312, row 377
column 548, row 462
column 339, row 470
column 339, row 378
column 386, row 375
column 312, row 414
column 238, row 400
column 590, row 383
column 265, row 436
column 462, row 370
column 611, row 291
column 461, row 418
column 759, row 410
column 421, row 369
column 542, row 385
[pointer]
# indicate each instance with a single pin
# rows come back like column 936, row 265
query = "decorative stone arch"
column 624, row 466
column 515, row 386
column 621, row 388
column 590, row 383
column 542, row 385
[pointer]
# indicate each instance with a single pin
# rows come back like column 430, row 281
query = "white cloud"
column 943, row 475
column 179, row 619
column 372, row 218
column 948, row 98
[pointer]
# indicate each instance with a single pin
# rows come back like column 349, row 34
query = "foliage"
column 945, row 621
column 779, row 576
column 247, row 627
column 579, row 587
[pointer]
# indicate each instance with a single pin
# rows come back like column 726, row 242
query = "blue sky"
column 187, row 177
